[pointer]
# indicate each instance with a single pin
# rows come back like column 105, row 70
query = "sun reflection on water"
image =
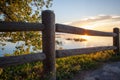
column 85, row 37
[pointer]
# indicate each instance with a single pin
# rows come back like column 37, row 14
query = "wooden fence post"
column 116, row 40
column 48, row 38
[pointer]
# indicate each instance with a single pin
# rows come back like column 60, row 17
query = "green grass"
column 66, row 67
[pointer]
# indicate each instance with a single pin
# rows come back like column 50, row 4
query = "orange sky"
column 99, row 22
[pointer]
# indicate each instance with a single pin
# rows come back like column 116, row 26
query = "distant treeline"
column 76, row 39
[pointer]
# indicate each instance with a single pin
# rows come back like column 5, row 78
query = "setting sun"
column 85, row 37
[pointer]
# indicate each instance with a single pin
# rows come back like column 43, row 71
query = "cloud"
column 100, row 22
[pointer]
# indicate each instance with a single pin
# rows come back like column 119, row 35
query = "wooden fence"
column 49, row 54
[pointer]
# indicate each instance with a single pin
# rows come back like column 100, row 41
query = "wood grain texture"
column 21, row 59
column 48, row 37
column 80, row 31
column 20, row 26
column 116, row 40
column 73, row 52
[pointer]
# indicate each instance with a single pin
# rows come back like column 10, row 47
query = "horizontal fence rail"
column 73, row 52
column 75, row 30
column 20, row 26
column 21, row 59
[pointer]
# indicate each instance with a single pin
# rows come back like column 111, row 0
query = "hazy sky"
column 87, row 11
column 70, row 10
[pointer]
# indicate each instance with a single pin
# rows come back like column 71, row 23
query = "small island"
column 77, row 39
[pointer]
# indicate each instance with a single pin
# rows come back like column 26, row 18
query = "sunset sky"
column 100, row 15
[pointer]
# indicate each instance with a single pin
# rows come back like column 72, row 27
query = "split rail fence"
column 49, row 54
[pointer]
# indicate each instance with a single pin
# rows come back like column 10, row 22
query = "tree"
column 23, row 11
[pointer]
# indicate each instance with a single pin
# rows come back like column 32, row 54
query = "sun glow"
column 85, row 37
column 88, row 27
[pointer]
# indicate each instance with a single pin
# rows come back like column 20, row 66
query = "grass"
column 66, row 67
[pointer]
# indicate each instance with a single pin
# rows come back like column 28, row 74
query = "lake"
column 65, row 44
column 91, row 42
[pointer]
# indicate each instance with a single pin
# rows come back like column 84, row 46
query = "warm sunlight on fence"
column 49, row 54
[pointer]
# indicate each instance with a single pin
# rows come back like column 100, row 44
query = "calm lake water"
column 66, row 44
column 92, row 42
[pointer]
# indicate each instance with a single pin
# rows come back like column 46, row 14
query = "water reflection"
column 91, row 42
column 63, row 43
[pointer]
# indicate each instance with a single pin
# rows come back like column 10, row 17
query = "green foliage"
column 27, row 71
column 23, row 11
column 66, row 67
column 115, row 58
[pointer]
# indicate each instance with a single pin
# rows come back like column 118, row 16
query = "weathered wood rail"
column 49, row 54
